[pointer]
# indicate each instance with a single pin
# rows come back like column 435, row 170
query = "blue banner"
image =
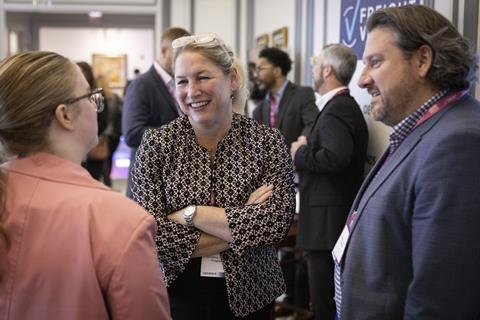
column 353, row 20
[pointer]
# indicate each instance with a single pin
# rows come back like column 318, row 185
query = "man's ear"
column 277, row 71
column 424, row 60
column 64, row 117
column 164, row 49
column 327, row 71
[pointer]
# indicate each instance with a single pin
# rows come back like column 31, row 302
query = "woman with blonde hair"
column 220, row 186
column 71, row 247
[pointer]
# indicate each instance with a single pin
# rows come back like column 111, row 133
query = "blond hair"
column 32, row 85
column 224, row 58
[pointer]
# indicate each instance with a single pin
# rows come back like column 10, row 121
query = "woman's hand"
column 177, row 216
column 260, row 195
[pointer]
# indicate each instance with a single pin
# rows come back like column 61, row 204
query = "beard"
column 317, row 84
column 265, row 84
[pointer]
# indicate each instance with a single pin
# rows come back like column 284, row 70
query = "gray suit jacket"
column 296, row 112
column 414, row 252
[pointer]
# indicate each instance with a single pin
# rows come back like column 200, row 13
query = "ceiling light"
column 95, row 14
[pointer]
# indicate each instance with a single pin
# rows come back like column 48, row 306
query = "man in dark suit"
column 150, row 99
column 411, row 246
column 331, row 168
column 287, row 106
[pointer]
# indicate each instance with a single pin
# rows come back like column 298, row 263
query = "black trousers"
column 321, row 283
column 212, row 307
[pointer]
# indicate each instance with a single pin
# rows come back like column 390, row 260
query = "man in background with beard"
column 288, row 107
column 330, row 164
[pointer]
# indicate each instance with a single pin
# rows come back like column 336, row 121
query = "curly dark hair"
column 278, row 58
column 455, row 62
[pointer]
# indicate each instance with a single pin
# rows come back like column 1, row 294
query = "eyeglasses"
column 313, row 60
column 258, row 69
column 198, row 38
column 95, row 97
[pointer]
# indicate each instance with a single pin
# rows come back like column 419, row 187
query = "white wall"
column 445, row 7
column 217, row 16
column 180, row 14
column 333, row 21
column 137, row 44
column 271, row 15
column 319, row 31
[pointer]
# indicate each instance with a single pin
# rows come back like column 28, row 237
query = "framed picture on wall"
column 262, row 41
column 112, row 67
column 280, row 38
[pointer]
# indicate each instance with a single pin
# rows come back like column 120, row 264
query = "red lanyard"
column 440, row 105
column 212, row 198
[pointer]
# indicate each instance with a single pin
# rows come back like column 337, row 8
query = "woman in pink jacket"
column 70, row 248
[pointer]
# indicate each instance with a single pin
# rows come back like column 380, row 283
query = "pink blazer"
column 78, row 250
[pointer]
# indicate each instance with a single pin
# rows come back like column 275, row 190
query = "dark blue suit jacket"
column 414, row 252
column 296, row 112
column 148, row 103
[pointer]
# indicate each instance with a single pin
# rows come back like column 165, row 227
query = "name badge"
column 212, row 267
column 340, row 246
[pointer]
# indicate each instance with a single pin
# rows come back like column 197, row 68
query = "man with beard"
column 330, row 164
column 411, row 245
column 287, row 106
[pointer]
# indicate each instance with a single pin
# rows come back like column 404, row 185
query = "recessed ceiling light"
column 95, row 14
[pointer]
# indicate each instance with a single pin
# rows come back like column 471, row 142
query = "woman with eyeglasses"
column 220, row 186
column 70, row 248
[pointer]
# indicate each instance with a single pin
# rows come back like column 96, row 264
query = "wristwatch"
column 188, row 214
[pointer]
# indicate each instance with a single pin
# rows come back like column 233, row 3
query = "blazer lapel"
column 383, row 170
column 163, row 88
column 284, row 104
column 266, row 112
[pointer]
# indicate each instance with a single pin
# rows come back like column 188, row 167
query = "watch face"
column 189, row 211
column 188, row 215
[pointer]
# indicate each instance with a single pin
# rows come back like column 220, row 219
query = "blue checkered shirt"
column 403, row 129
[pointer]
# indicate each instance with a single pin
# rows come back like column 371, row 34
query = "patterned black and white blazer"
column 172, row 171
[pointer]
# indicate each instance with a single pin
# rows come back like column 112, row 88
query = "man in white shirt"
column 150, row 101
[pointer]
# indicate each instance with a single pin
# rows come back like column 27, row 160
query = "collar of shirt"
column 278, row 95
column 403, row 129
column 321, row 101
column 51, row 167
column 162, row 73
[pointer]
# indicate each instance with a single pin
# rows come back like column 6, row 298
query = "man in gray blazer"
column 331, row 165
column 287, row 106
column 149, row 100
column 411, row 245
